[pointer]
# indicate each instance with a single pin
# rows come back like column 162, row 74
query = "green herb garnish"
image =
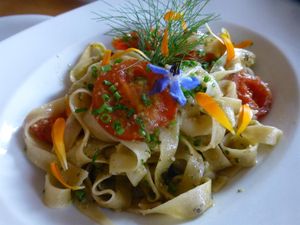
column 112, row 88
column 146, row 20
column 117, row 96
column 118, row 61
column 80, row 195
column 105, row 118
column 107, row 83
column 117, row 126
column 94, row 71
column 105, row 97
column 146, row 100
column 105, row 68
column 80, row 110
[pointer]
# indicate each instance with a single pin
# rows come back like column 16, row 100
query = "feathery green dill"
column 146, row 20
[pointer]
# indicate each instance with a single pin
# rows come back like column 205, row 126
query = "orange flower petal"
column 229, row 46
column 165, row 43
column 57, row 134
column 245, row 117
column 214, row 110
column 57, row 174
column 106, row 57
column 244, row 44
column 171, row 15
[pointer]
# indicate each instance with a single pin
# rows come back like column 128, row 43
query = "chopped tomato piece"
column 122, row 43
column 123, row 106
column 42, row 128
column 254, row 92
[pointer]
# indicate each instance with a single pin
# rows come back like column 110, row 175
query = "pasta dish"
column 157, row 124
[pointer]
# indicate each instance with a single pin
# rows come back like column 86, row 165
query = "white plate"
column 10, row 25
column 33, row 67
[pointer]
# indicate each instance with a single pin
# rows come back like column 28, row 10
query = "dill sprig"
column 146, row 20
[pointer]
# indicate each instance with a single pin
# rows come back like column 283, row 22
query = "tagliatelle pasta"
column 136, row 136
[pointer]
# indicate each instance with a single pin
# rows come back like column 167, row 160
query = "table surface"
column 47, row 7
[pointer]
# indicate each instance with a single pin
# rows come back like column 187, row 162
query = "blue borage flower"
column 173, row 78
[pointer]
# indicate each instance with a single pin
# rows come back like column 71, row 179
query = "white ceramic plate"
column 33, row 71
column 10, row 25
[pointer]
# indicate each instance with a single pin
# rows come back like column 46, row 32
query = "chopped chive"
column 130, row 112
column 94, row 71
column 119, row 107
column 201, row 52
column 80, row 195
column 205, row 65
column 97, row 152
column 90, row 87
column 79, row 110
column 107, row 83
column 139, row 121
column 143, row 132
column 104, row 108
column 118, row 60
column 105, row 118
column 146, row 100
column 117, row 126
column 117, row 96
column 113, row 88
column 105, row 97
column 206, row 79
column 105, row 68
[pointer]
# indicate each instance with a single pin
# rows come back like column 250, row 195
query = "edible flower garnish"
column 244, row 44
column 245, row 117
column 119, row 54
column 173, row 78
column 214, row 110
column 57, row 174
column 106, row 57
column 164, row 31
column 168, row 17
column 225, row 40
column 229, row 46
column 57, row 134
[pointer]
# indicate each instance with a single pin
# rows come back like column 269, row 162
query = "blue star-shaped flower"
column 173, row 78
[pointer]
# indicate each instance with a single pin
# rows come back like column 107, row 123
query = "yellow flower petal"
column 120, row 53
column 57, row 174
column 57, row 134
column 245, row 117
column 214, row 110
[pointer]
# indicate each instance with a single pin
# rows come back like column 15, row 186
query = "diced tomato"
column 253, row 91
column 42, row 128
column 122, row 43
column 194, row 55
column 133, row 82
